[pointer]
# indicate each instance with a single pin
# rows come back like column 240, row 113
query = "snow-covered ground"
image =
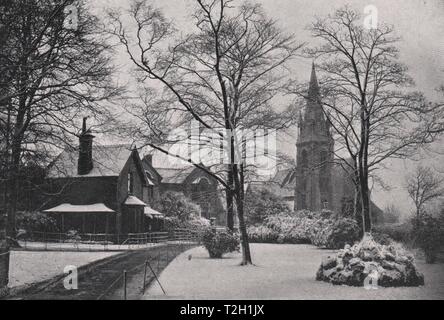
column 280, row 272
column 27, row 267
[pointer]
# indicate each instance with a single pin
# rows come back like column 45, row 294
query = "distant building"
column 110, row 189
column 201, row 187
column 100, row 189
column 318, row 181
column 314, row 156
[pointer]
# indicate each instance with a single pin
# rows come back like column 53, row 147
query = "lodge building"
column 111, row 189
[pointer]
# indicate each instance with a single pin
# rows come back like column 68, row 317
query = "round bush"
column 218, row 243
column 342, row 232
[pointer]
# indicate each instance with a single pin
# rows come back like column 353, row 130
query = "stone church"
column 314, row 156
column 318, row 181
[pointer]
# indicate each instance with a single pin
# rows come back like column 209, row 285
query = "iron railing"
column 50, row 241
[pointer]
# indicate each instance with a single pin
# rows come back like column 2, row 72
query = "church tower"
column 314, row 155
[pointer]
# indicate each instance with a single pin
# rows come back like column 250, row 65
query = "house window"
column 130, row 182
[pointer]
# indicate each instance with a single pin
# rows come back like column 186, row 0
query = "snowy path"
column 281, row 272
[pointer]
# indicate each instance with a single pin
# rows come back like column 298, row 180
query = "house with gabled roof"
column 101, row 189
column 182, row 177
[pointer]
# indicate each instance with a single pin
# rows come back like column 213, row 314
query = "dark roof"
column 108, row 161
column 174, row 175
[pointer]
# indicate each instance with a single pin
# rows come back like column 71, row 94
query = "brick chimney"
column 85, row 162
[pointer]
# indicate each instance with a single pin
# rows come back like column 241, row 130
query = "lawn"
column 280, row 272
column 28, row 267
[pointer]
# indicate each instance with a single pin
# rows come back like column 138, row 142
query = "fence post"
column 124, row 284
column 144, row 276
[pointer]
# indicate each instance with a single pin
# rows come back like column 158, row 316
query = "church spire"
column 313, row 90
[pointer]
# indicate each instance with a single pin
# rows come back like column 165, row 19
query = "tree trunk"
column 246, row 254
column 366, row 216
column 4, row 267
column 363, row 169
column 12, row 194
column 238, row 177
column 357, row 209
column 229, row 195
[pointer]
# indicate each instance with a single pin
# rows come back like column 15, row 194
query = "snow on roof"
column 150, row 182
column 150, row 212
column 90, row 208
column 134, row 201
column 108, row 161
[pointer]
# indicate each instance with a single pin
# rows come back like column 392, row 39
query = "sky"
column 419, row 23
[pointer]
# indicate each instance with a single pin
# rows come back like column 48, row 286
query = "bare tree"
column 423, row 186
column 436, row 115
column 51, row 74
column 367, row 98
column 223, row 75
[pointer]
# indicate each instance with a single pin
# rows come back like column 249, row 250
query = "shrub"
column 73, row 236
column 262, row 204
column 194, row 223
column 262, row 234
column 382, row 238
column 36, row 222
column 291, row 228
column 322, row 229
column 317, row 232
column 399, row 232
column 428, row 235
column 218, row 243
column 391, row 265
column 175, row 205
column 342, row 232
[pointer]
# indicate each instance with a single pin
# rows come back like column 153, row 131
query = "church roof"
column 313, row 89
